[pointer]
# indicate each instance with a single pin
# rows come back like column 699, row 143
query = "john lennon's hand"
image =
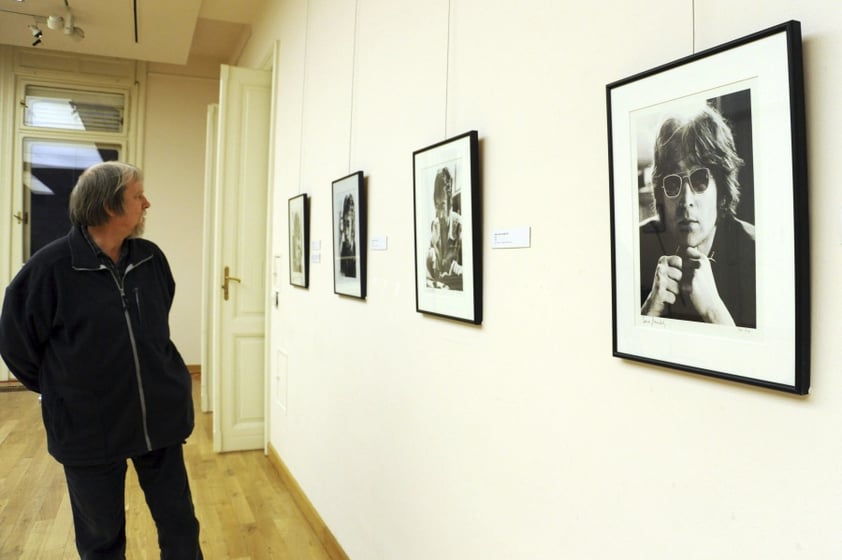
column 665, row 286
column 698, row 285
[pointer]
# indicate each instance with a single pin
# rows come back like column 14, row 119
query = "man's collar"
column 85, row 253
column 124, row 247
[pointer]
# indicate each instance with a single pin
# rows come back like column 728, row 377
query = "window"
column 51, row 169
column 67, row 109
column 61, row 132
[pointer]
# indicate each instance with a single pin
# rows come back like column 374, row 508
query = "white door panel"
column 239, row 239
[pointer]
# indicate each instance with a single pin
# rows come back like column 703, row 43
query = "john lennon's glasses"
column 699, row 180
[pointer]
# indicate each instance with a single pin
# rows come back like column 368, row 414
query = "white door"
column 237, row 324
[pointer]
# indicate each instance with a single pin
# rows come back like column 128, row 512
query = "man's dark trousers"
column 97, row 498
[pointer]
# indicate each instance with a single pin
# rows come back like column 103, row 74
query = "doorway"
column 56, row 131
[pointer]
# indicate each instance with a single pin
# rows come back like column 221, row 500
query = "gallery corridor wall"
column 417, row 437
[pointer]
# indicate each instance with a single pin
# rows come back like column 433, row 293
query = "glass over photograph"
column 448, row 228
column 444, row 252
column 299, row 239
column 349, row 235
column 696, row 210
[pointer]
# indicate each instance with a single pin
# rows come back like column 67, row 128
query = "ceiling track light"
column 65, row 23
column 36, row 33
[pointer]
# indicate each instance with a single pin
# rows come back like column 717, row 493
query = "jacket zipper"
column 121, row 286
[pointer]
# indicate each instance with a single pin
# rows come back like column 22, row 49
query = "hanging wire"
column 353, row 80
column 693, row 23
column 447, row 69
column 303, row 91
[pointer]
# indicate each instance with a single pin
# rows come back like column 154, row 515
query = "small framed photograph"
column 709, row 225
column 299, row 241
column 448, row 251
column 349, row 235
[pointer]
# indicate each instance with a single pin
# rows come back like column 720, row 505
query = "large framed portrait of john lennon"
column 349, row 235
column 448, row 252
column 299, row 241
column 709, row 224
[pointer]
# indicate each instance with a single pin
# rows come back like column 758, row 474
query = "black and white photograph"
column 299, row 241
column 708, row 210
column 448, row 256
column 696, row 204
column 443, row 266
column 349, row 235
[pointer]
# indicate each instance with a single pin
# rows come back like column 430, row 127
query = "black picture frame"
column 349, row 235
column 448, row 268
column 299, row 240
column 687, row 259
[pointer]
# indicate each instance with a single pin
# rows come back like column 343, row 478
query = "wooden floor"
column 244, row 509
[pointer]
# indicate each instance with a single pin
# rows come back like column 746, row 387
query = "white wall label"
column 379, row 243
column 511, row 238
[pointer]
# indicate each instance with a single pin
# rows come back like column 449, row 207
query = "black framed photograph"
column 349, row 235
column 299, row 241
column 709, row 221
column 447, row 212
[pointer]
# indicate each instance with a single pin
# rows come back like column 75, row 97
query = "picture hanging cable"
column 693, row 23
column 303, row 92
column 447, row 69
column 353, row 82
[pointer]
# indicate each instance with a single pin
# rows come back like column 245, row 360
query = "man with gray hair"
column 85, row 323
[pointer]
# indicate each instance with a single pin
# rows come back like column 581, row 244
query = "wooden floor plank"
column 244, row 509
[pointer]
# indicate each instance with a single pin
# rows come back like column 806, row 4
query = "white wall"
column 176, row 113
column 422, row 438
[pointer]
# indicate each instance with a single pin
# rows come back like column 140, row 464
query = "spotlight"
column 36, row 34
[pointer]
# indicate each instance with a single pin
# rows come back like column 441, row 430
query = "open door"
column 235, row 330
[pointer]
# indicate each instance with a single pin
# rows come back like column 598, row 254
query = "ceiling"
column 168, row 31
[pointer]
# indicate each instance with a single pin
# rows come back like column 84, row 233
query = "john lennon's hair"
column 100, row 189
column 443, row 185
column 703, row 139
column 348, row 205
column 348, row 211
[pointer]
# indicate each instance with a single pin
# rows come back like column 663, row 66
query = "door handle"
column 225, row 279
column 21, row 217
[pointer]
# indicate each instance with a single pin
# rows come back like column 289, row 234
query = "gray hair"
column 100, row 189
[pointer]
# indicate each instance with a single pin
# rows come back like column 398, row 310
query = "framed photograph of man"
column 709, row 225
column 447, row 210
column 299, row 241
column 349, row 235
